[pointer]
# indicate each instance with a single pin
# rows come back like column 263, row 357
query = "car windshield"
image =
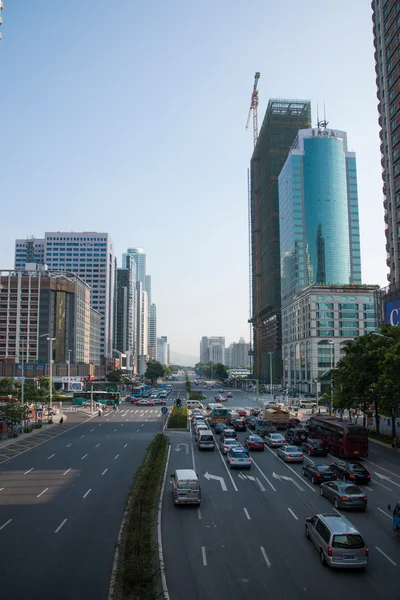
column 348, row 541
column 357, row 468
column 276, row 436
column 351, row 489
column 322, row 468
column 231, row 442
column 239, row 454
column 291, row 449
column 256, row 438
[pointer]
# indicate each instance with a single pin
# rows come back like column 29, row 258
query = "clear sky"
column 129, row 117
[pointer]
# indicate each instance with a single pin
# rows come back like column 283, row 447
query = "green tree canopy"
column 7, row 385
column 154, row 370
column 220, row 371
column 116, row 376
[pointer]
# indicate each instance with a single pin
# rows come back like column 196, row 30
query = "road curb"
column 383, row 444
column 159, row 535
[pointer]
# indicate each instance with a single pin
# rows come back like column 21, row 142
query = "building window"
column 349, row 333
column 344, row 324
column 348, row 306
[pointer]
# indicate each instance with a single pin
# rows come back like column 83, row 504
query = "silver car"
column 229, row 443
column 276, row 440
column 290, row 454
column 344, row 495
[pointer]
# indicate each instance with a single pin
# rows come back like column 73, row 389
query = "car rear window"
column 348, row 541
column 316, row 443
column 206, row 437
column 322, row 468
column 352, row 489
column 188, row 485
column 291, row 449
column 357, row 468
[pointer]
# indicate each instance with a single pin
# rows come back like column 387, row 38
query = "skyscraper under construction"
column 282, row 121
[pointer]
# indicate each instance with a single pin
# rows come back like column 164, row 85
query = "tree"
column 7, row 385
column 154, row 370
column 116, row 375
column 389, row 383
column 220, row 371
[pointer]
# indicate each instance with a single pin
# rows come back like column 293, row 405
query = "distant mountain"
column 183, row 359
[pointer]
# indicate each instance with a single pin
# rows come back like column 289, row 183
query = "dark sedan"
column 251, row 422
column 293, row 423
column 296, row 436
column 239, row 425
column 319, row 473
column 344, row 495
column 255, row 411
column 315, row 447
column 351, row 471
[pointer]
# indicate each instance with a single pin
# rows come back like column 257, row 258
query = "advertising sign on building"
column 392, row 313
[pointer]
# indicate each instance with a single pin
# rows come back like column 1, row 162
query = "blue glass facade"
column 318, row 207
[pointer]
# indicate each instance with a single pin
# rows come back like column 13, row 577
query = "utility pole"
column 270, row 371
column 69, row 369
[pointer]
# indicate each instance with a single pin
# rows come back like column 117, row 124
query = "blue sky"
column 129, row 117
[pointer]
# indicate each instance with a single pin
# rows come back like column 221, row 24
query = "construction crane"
column 254, row 108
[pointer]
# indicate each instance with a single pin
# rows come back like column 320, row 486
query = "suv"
column 315, row 447
column 307, row 404
column 351, row 471
column 297, row 436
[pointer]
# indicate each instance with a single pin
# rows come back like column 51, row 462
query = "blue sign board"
column 164, row 410
column 392, row 313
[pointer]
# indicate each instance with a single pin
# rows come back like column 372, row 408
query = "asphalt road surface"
column 62, row 497
column 247, row 539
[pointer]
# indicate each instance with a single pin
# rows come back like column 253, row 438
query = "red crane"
column 254, row 108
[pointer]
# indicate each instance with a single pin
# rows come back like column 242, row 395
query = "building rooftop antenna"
column 322, row 124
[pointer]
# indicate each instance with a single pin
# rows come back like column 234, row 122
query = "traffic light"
column 178, row 401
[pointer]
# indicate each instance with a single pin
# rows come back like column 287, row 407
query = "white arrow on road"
column 220, row 479
column 387, row 478
column 178, row 448
column 284, row 478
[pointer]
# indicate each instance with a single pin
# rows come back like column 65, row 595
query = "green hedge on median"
column 139, row 571
column 178, row 418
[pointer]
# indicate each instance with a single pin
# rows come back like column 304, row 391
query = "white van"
column 185, row 487
column 194, row 404
column 205, row 440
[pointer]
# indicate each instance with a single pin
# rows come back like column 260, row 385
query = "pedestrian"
column 61, row 420
column 99, row 412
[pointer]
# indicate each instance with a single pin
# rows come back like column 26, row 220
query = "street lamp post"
column 270, row 371
column 50, row 340
column 332, row 366
column 69, row 369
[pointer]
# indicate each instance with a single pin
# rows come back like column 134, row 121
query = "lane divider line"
column 97, row 445
column 203, row 552
column 292, row 470
column 26, row 472
column 87, row 493
column 199, row 514
column 41, row 493
column 159, row 535
column 292, row 513
column 265, row 477
column 246, row 512
column 384, row 513
column 265, row 556
column 51, row 456
column 61, row 525
column 6, row 523
column 386, row 556
column 125, row 445
column 104, row 472
column 84, row 456
column 67, row 471
column 222, row 458
column 116, row 457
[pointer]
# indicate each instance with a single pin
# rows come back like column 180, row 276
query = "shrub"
column 38, row 425
column 178, row 417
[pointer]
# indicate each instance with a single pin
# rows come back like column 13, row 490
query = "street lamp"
column 69, row 368
column 270, row 371
column 50, row 340
column 332, row 344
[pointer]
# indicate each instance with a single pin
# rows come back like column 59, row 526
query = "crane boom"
column 254, row 108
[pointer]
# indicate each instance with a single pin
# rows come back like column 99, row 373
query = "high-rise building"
column 205, row 345
column 153, row 331
column 162, row 350
column 216, row 352
column 237, row 354
column 38, row 304
column 204, row 358
column 140, row 258
column 318, row 207
column 386, row 30
column 90, row 255
column 142, row 328
column 281, row 123
column 324, row 304
column 124, row 334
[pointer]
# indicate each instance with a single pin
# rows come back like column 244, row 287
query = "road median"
column 136, row 573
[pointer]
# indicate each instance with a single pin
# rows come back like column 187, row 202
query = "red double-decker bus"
column 344, row 439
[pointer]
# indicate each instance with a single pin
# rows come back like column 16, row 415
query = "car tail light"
column 352, row 476
column 312, row 448
column 365, row 497
column 345, row 497
column 301, row 456
column 318, row 474
column 368, row 476
column 366, row 551
column 329, row 551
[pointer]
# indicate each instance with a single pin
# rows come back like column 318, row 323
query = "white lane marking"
column 92, row 430
column 262, row 488
column 97, row 445
column 142, row 425
column 41, row 493
column 84, row 456
column 385, row 477
column 246, row 512
column 6, row 523
column 104, row 472
column 223, row 461
column 217, row 478
column 61, row 525
column 116, row 457
column 137, row 430
column 125, row 445
column 384, row 513
column 68, row 445
column 67, row 471
column 381, row 468
column 381, row 484
column 87, row 493
column 373, row 451
column 121, row 425
column 292, row 513
column 51, row 456
column 293, row 471
column 26, row 472
column 251, row 478
column 265, row 556
column 1, row 489
column 159, row 536
column 386, row 556
column 100, row 424
column 199, row 514
column 265, row 477
column 115, row 430
column 83, row 435
column 203, row 551
column 337, row 511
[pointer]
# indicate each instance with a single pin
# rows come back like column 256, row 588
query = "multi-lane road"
column 62, row 497
column 247, row 538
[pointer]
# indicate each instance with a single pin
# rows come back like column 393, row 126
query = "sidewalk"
column 26, row 436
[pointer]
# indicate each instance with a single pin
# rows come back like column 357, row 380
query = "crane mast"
column 254, row 108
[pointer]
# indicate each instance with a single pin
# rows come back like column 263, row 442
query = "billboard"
column 392, row 313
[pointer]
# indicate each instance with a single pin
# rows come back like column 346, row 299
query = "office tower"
column 318, row 207
column 281, row 123
column 386, row 31
column 153, row 331
column 124, row 335
column 140, row 258
column 162, row 350
column 90, row 255
column 216, row 352
column 323, row 302
column 147, row 287
column 29, row 250
column 204, row 350
column 142, row 331
column 168, row 354
column 228, row 356
column 37, row 304
column 95, row 337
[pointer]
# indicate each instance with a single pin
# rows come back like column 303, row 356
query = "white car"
column 201, row 428
column 290, row 454
column 154, row 395
column 229, row 443
column 275, row 440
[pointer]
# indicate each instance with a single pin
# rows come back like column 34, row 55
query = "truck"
column 263, row 426
column 277, row 416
